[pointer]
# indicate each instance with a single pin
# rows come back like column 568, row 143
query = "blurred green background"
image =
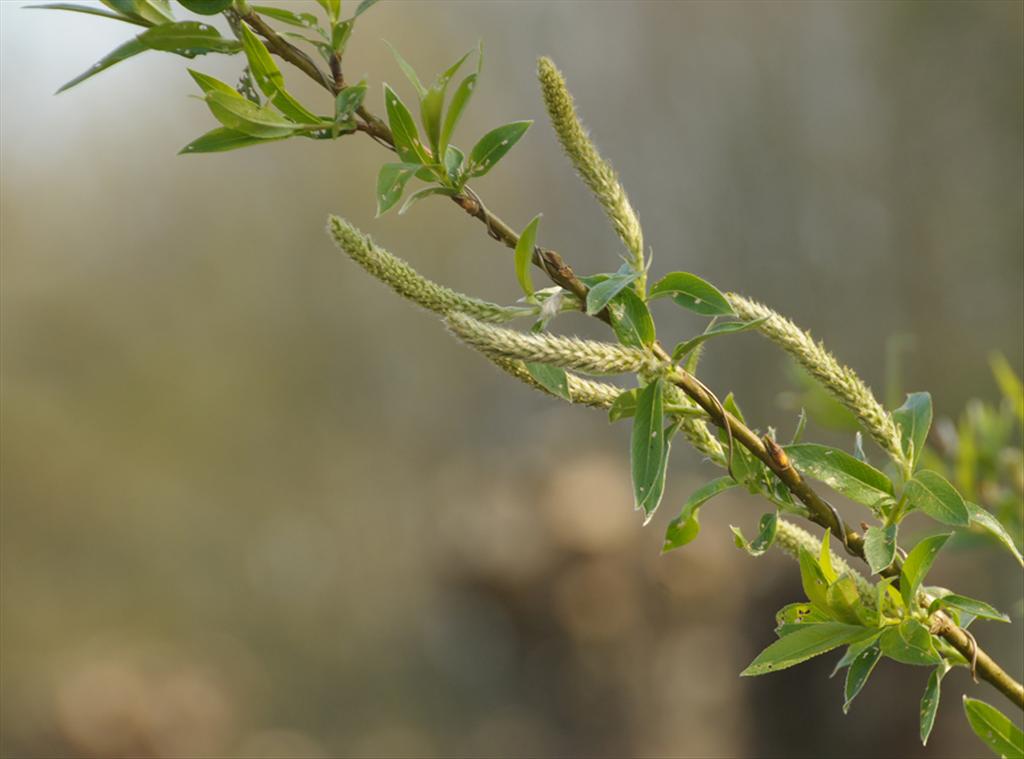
column 255, row 505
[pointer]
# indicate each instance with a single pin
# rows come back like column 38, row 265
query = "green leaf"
column 880, row 547
column 814, row 582
column 624, row 406
column 725, row 328
column 188, row 38
column 524, row 255
column 420, row 194
column 631, row 320
column 825, row 556
column 241, row 115
column 363, row 6
column 185, row 38
column 845, row 603
column 801, row 424
column 453, row 161
column 403, row 130
column 127, row 50
column 304, row 20
column 649, row 448
column 432, row 105
column 494, row 145
column 340, row 34
column 930, row 701
column 994, row 728
column 408, row 70
column 914, row 418
column 843, row 473
column 767, row 528
column 983, row 518
column 789, row 616
column 91, row 11
column 551, row 378
column 685, row 527
column 803, row 644
column 917, row 564
column 932, row 494
column 270, row 80
column 853, row 651
column 601, row 294
column 331, row 7
column 391, row 182
column 909, row 643
column 221, row 140
column 692, row 292
column 861, row 667
column 206, row 7
column 152, row 12
column 970, row 605
column 460, row 99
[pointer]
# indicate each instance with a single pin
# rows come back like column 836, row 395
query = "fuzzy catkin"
column 597, row 173
column 840, row 380
column 581, row 390
column 567, row 352
column 408, row 283
column 791, row 538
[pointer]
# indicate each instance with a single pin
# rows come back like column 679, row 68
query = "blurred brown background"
column 254, row 505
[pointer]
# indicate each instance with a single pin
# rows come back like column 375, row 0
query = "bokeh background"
column 256, row 506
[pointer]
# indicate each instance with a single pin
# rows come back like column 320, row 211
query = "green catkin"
column 408, row 283
column 791, row 538
column 841, row 381
column 587, row 356
column 581, row 390
column 597, row 173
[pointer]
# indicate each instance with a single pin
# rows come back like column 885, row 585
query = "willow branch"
column 820, row 511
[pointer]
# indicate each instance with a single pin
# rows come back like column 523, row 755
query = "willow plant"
column 885, row 608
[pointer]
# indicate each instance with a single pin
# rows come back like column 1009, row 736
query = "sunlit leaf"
column 724, row 328
column 551, row 378
column 932, row 494
column 995, row 729
column 917, row 564
column 970, row 605
column 983, row 518
column 861, row 667
column 524, row 255
column 843, row 473
column 803, row 644
column 221, row 140
column 880, row 547
column 914, row 418
column 692, row 292
column 767, row 528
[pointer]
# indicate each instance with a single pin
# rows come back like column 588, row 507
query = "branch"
column 821, row 512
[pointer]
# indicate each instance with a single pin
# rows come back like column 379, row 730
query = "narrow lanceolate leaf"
column 994, row 728
column 631, row 319
column 270, row 79
column 241, row 115
column 932, row 494
column 403, row 130
column 916, row 567
column 692, row 292
column 127, row 50
column 767, row 529
column 304, row 20
column 493, row 146
column 803, row 644
column 909, row 643
column 424, row 193
column 460, row 99
column 391, row 182
column 649, row 448
column 725, row 328
column 408, row 70
column 432, row 105
column 221, row 140
column 983, row 518
column 91, row 11
column 861, row 667
column 524, row 255
column 363, row 6
column 185, row 38
column 685, row 527
column 601, row 294
column 551, row 378
column 206, row 7
column 914, row 419
column 814, row 582
column 843, row 473
column 880, row 547
column 153, row 12
column 970, row 605
column 930, row 701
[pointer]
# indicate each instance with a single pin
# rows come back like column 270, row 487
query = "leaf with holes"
column 391, row 182
column 994, row 728
column 649, row 448
column 493, row 146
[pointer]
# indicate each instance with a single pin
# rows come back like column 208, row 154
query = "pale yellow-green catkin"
column 597, row 173
column 581, row 390
column 840, row 380
column 587, row 356
column 408, row 283
column 791, row 538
